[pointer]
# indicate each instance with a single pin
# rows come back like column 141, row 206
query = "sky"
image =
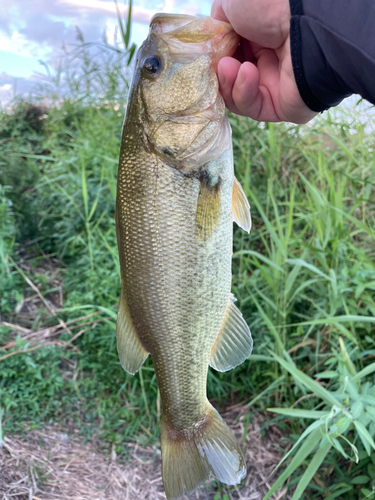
column 35, row 30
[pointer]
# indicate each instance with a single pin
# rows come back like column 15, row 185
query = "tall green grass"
column 304, row 277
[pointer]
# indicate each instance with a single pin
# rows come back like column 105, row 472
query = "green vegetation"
column 304, row 278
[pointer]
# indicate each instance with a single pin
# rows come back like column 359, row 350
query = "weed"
column 304, row 277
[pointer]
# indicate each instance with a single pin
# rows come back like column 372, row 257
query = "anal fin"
column 234, row 343
column 240, row 207
column 130, row 350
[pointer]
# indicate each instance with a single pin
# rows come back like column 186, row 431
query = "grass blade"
column 305, row 449
column 291, row 412
column 364, row 373
column 311, row 267
column 365, row 436
column 309, row 382
column 128, row 24
column 121, row 26
column 311, row 469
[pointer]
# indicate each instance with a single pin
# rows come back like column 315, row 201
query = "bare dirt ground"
column 49, row 464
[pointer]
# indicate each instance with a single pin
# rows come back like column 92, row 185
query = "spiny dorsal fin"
column 240, row 207
column 234, row 343
column 130, row 350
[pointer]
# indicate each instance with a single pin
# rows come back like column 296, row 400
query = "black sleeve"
column 333, row 50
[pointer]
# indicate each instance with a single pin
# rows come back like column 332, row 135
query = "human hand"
column 258, row 81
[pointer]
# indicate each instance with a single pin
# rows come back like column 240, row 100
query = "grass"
column 304, row 277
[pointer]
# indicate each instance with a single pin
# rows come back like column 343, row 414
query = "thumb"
column 217, row 11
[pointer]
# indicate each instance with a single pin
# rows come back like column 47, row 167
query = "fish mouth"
column 189, row 34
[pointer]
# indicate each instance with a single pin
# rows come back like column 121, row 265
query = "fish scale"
column 174, row 212
column 163, row 261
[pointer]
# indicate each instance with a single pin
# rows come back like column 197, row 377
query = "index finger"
column 217, row 11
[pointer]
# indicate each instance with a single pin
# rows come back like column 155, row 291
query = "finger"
column 239, row 86
column 246, row 94
column 217, row 11
column 256, row 91
column 227, row 71
column 266, row 22
column 260, row 93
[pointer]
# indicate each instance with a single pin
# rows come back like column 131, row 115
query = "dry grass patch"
column 49, row 464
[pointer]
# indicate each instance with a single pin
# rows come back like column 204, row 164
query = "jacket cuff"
column 296, row 9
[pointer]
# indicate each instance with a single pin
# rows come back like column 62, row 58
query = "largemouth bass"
column 176, row 200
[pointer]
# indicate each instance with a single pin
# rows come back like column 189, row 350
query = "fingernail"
column 240, row 77
column 222, row 77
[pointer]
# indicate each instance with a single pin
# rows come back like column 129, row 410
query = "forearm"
column 333, row 50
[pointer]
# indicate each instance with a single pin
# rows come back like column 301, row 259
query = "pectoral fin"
column 208, row 207
column 130, row 350
column 234, row 343
column 240, row 207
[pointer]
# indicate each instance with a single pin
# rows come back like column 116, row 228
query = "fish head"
column 181, row 110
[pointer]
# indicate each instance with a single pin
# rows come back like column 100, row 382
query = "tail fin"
column 191, row 456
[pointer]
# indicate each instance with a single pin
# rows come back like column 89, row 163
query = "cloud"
column 36, row 29
column 9, row 86
column 139, row 14
column 49, row 20
column 18, row 44
column 42, row 29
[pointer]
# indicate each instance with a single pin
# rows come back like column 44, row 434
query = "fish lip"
column 161, row 18
column 204, row 34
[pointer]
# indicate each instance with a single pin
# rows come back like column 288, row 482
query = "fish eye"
column 152, row 64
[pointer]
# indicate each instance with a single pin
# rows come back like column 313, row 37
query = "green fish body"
column 176, row 201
